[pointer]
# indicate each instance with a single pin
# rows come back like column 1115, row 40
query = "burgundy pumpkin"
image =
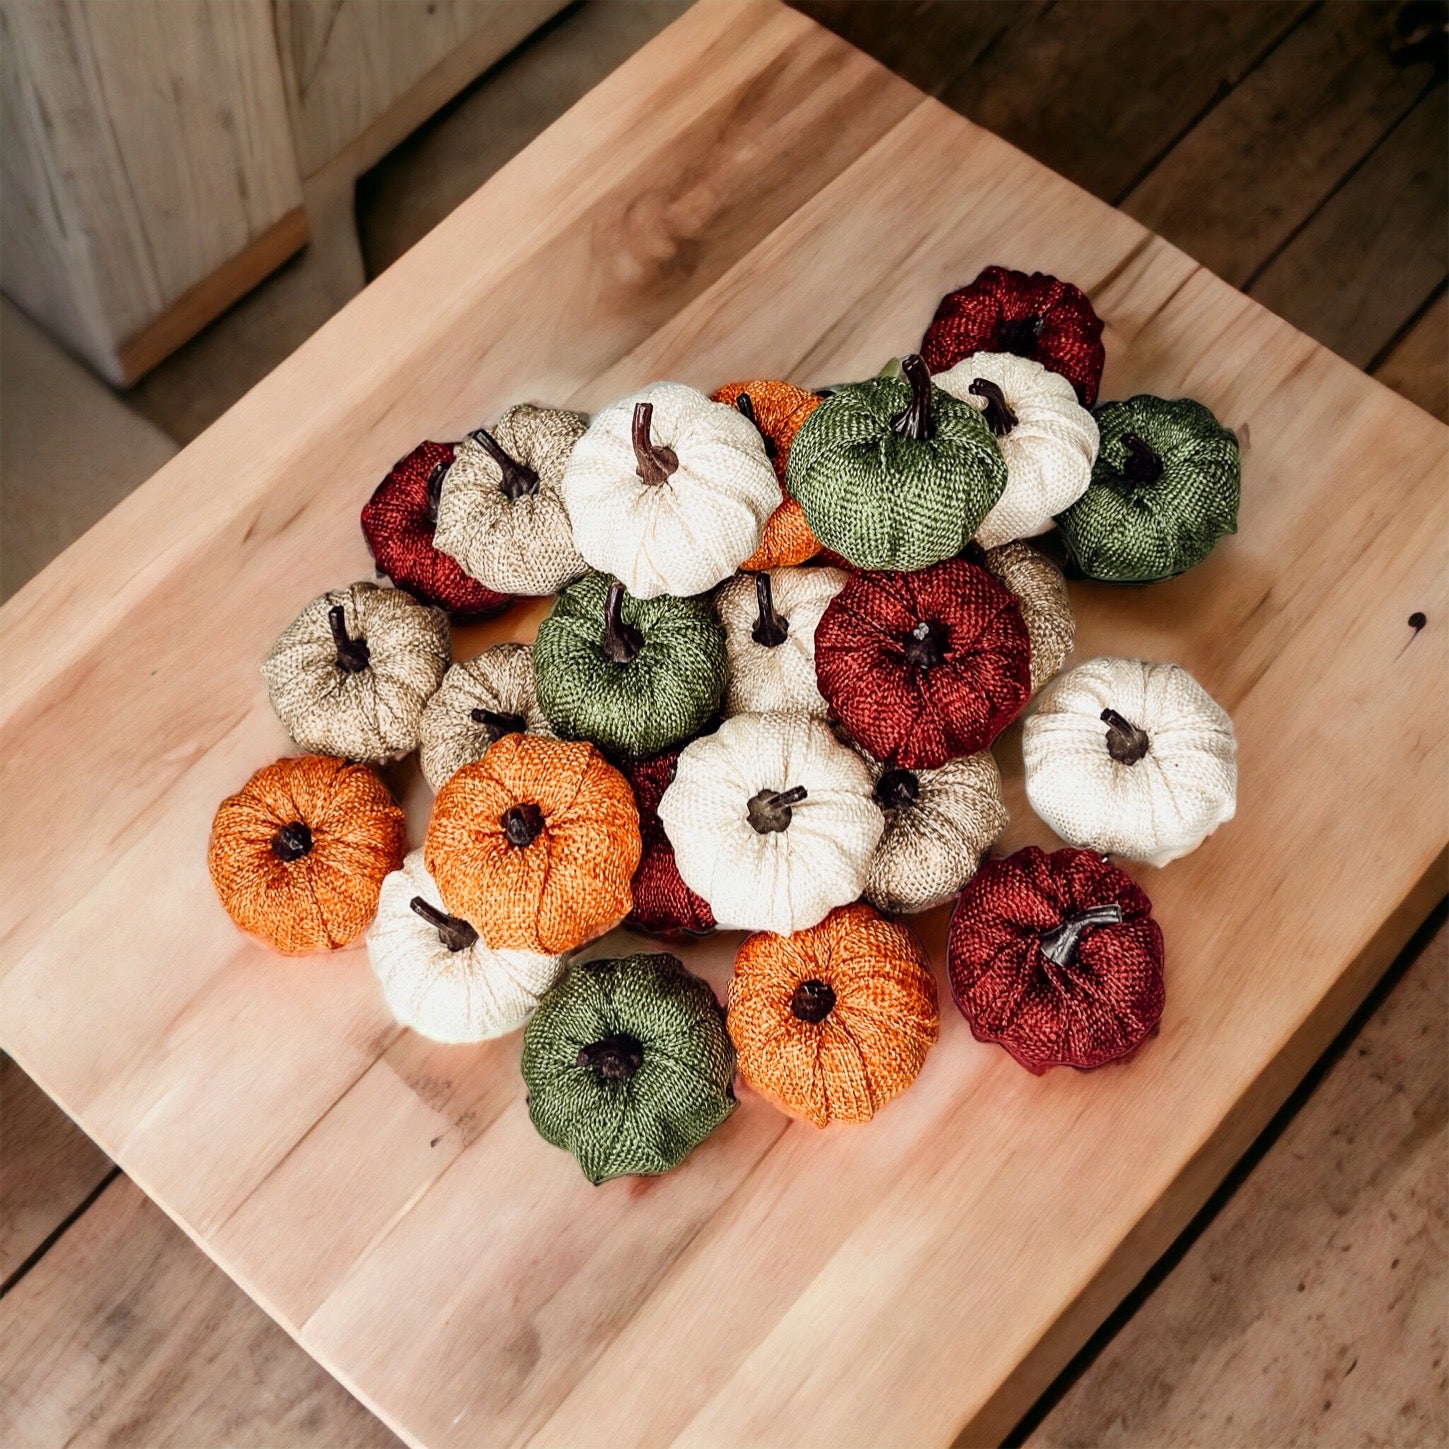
column 663, row 904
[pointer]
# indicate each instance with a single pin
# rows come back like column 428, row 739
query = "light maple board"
column 746, row 197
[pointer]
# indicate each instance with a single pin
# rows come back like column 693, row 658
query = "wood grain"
column 1417, row 365
column 790, row 209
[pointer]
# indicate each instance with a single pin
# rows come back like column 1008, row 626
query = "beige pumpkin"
column 1046, row 606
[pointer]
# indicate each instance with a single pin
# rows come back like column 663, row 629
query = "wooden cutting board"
column 746, row 197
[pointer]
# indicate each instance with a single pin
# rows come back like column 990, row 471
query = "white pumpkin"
column 1049, row 440
column 668, row 491
column 1131, row 759
column 772, row 821
column 769, row 619
column 437, row 975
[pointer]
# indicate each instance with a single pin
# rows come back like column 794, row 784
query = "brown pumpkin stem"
column 744, row 403
column 518, row 478
column 500, row 724
column 435, row 487
column 771, row 627
column 999, row 417
column 453, row 931
column 770, row 811
column 1059, row 945
column 1020, row 335
column 292, row 842
column 522, row 823
column 1125, row 742
column 914, row 421
column 897, row 789
column 925, row 645
column 1143, row 463
column 656, row 462
column 622, row 642
column 352, row 654
column 613, row 1058
column 813, row 1001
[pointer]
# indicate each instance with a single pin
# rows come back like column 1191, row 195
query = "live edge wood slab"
column 748, row 196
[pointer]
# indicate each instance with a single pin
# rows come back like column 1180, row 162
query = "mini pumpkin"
column 479, row 702
column 668, row 491
column 437, row 974
column 351, row 674
column 769, row 621
column 834, row 1021
column 663, row 904
column 635, row 676
column 922, row 667
column 1164, row 490
column 1040, row 591
column 777, row 409
column 1132, row 759
column 628, row 1066
column 893, row 473
column 299, row 853
column 1033, row 316
column 502, row 512
column 1057, row 959
column 534, row 845
column 772, row 821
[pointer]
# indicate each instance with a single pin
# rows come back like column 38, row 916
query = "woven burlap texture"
column 1041, row 594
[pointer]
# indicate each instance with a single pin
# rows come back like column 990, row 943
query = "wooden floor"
column 1297, row 149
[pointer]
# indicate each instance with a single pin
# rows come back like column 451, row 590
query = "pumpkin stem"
column 292, row 842
column 435, row 487
column 500, row 724
column 613, row 1058
column 1019, row 336
column 656, row 462
column 999, row 417
column 813, row 1001
column 518, row 478
column 896, row 789
column 914, row 420
column 453, row 931
column 771, row 627
column 522, row 823
column 352, row 654
column 770, row 811
column 1143, row 463
column 747, row 407
column 1059, row 945
column 622, row 642
column 925, row 645
column 1125, row 742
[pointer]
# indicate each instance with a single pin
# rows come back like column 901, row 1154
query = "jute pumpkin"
column 1164, row 490
column 772, row 821
column 628, row 1066
column 668, row 491
column 1056, row 958
column 1131, row 759
column 534, row 844
column 922, row 667
column 299, row 853
column 834, row 1021
column 399, row 522
column 1048, row 439
column 478, row 703
column 769, row 621
column 777, row 409
column 1032, row 316
column 502, row 513
column 893, row 473
column 635, row 676
column 437, row 974
column 1040, row 591
column 663, row 904
column 351, row 674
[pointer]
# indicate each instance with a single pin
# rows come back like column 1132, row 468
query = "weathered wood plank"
column 1417, row 367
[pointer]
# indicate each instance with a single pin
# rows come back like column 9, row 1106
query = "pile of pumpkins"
column 788, row 627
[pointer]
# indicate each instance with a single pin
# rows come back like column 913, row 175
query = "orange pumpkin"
column 535, row 844
column 299, row 853
column 777, row 409
column 833, row 1022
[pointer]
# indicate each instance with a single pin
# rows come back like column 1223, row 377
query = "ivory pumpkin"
column 1040, row 591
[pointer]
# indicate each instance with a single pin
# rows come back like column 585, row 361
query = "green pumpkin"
column 628, row 1065
column 1164, row 489
column 893, row 473
column 633, row 676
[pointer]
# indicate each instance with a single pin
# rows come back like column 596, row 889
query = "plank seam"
column 58, row 1231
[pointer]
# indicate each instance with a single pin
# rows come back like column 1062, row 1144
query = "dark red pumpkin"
column 922, row 667
column 1057, row 959
column 1032, row 316
column 663, row 904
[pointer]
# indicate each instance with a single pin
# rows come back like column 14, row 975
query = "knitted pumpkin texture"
column 663, row 904
column 1040, row 591
column 1056, row 958
column 478, row 703
column 1130, row 758
column 772, row 821
column 502, row 513
column 1033, row 316
column 399, row 523
column 1049, row 440
column 833, row 1022
column 922, row 667
column 893, row 473
column 299, row 853
column 635, row 676
column 351, row 674
column 534, row 845
column 668, row 491
column 628, row 1066
column 777, row 409
column 436, row 973
column 769, row 621
column 1164, row 490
